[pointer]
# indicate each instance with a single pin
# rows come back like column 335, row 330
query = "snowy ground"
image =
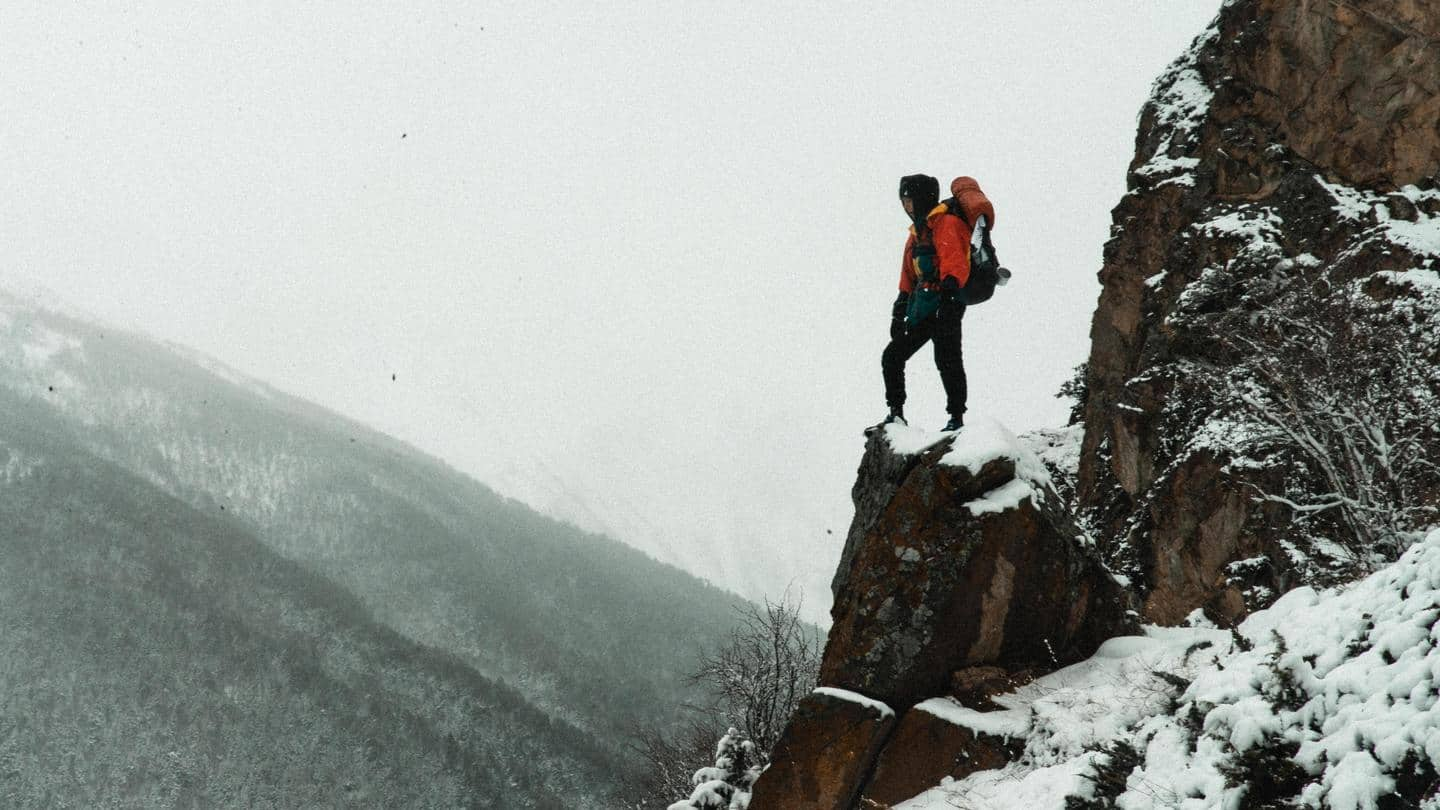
column 1327, row 700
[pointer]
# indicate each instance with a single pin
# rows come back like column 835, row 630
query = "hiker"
column 933, row 275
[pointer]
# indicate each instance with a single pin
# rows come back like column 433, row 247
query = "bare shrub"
column 755, row 678
column 1345, row 400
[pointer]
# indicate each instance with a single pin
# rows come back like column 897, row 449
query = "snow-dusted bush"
column 727, row 784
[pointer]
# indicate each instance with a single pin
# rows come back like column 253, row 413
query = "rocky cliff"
column 1259, row 410
column 1262, row 371
column 963, row 575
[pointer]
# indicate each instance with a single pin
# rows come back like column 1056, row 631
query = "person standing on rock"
column 930, row 307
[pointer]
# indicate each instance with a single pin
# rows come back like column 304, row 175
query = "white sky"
column 630, row 264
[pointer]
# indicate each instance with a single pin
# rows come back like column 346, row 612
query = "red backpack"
column 970, row 203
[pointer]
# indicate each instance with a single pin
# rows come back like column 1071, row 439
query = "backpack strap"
column 953, row 206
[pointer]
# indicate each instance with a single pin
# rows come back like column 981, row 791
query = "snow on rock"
column 908, row 441
column 975, row 446
column 986, row 440
column 1003, row 723
column 855, row 697
column 1425, row 282
column 1179, row 101
column 1417, row 232
column 1349, row 203
column 1057, row 448
column 1328, row 699
column 1259, row 228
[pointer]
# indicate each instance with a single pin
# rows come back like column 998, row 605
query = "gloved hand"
column 902, row 303
column 897, row 315
column 952, row 299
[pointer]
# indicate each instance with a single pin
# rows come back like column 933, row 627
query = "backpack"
column 970, row 203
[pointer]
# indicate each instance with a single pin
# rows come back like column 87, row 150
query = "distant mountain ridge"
column 593, row 634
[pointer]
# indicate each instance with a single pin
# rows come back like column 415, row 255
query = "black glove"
column 952, row 299
column 902, row 303
column 897, row 315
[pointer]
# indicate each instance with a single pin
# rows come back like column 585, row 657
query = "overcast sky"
column 632, row 264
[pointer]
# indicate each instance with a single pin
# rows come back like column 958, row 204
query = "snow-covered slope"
column 1328, row 699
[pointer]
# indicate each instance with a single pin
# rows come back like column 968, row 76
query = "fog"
column 630, row 264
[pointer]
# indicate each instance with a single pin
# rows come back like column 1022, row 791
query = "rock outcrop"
column 1277, row 246
column 971, row 560
column 961, row 568
column 826, row 753
column 927, row 748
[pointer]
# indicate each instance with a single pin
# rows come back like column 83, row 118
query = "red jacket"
column 951, row 238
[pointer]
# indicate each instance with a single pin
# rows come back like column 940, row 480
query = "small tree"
column 727, row 784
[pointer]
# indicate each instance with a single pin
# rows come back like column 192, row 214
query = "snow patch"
column 1421, row 237
column 1349, row 203
column 1002, row 499
column 1259, row 228
column 1422, row 281
column 910, row 441
column 988, row 440
column 1057, row 448
column 1004, row 723
column 1346, row 679
column 1064, row 716
column 1180, row 100
column 855, row 697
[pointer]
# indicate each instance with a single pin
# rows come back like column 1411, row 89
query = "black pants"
column 945, row 332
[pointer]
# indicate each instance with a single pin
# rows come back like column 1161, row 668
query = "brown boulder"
column 925, row 749
column 965, row 564
column 825, row 755
column 974, row 687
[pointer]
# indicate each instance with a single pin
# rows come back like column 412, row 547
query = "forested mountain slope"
column 178, row 536
column 154, row 654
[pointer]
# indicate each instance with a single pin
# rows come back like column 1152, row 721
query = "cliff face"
column 1265, row 335
column 963, row 575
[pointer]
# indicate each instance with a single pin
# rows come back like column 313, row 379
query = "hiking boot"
column 955, row 423
column 895, row 417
